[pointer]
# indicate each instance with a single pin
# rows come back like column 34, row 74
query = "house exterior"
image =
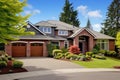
column 60, row 34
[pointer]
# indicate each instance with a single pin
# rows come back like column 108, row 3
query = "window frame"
column 66, row 42
column 103, row 44
column 46, row 29
column 63, row 32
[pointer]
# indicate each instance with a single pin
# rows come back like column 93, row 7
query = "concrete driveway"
column 44, row 63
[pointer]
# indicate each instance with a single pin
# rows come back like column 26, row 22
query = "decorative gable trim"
column 79, row 31
column 35, row 27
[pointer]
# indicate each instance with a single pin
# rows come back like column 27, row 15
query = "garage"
column 18, row 49
column 36, row 49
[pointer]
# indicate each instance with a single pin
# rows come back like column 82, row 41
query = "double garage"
column 22, row 49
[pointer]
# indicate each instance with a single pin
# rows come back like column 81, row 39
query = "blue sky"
column 51, row 9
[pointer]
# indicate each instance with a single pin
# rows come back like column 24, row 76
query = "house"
column 60, row 34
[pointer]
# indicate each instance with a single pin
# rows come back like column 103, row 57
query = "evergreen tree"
column 112, row 21
column 11, row 20
column 69, row 15
column 89, row 25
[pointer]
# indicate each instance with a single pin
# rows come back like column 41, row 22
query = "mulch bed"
column 117, row 67
column 8, row 70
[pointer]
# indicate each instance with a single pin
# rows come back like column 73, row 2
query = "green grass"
column 98, row 63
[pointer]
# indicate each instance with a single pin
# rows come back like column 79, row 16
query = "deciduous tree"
column 12, row 22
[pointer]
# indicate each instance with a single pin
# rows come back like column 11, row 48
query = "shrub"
column 100, row 57
column 64, row 50
column 55, row 51
column 112, row 53
column 50, row 48
column 17, row 64
column 3, row 64
column 103, row 52
column 69, row 56
column 74, row 49
column 74, row 57
column 96, row 49
column 58, row 56
column 89, row 54
column 4, row 59
column 83, row 58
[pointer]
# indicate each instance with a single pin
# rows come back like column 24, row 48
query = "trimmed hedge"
column 17, row 64
column 3, row 64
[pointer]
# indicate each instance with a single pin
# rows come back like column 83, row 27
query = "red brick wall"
column 91, row 41
column 61, row 44
column 111, row 45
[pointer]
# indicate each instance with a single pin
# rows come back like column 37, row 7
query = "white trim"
column 80, row 30
column 67, row 43
column 47, row 29
column 19, row 42
column 36, row 42
column 65, row 32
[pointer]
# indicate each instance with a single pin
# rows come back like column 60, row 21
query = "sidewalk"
column 16, row 76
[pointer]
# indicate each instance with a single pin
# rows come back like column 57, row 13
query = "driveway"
column 43, row 63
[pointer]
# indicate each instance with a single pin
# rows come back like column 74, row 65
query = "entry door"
column 36, row 49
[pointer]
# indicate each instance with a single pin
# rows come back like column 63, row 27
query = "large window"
column 45, row 29
column 62, row 32
column 103, row 44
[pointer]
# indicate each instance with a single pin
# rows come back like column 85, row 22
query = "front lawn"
column 98, row 63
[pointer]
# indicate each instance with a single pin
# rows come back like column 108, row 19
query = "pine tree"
column 89, row 25
column 69, row 15
column 112, row 21
column 11, row 20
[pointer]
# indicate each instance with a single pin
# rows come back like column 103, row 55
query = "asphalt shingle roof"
column 95, row 34
column 42, row 37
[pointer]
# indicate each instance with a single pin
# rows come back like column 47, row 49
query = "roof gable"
column 35, row 29
column 95, row 34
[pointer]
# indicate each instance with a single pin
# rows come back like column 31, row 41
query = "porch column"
column 28, row 50
column 76, row 41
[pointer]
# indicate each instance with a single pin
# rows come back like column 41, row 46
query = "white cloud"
column 53, row 18
column 95, row 14
column 29, row 6
column 35, row 11
column 97, row 27
column 27, row 12
column 82, row 9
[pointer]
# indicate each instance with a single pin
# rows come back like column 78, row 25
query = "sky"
column 43, row 10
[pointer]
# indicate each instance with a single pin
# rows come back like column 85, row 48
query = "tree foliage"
column 117, row 42
column 112, row 21
column 69, row 15
column 11, row 20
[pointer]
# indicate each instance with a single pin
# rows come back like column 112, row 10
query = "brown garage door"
column 36, row 49
column 19, row 49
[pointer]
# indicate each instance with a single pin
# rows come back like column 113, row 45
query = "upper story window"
column 45, row 29
column 62, row 32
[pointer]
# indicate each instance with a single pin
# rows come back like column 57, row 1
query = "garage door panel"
column 19, row 50
column 36, row 49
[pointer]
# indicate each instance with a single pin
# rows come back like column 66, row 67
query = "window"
column 63, row 32
column 45, row 29
column 66, row 44
column 103, row 44
column 56, row 44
